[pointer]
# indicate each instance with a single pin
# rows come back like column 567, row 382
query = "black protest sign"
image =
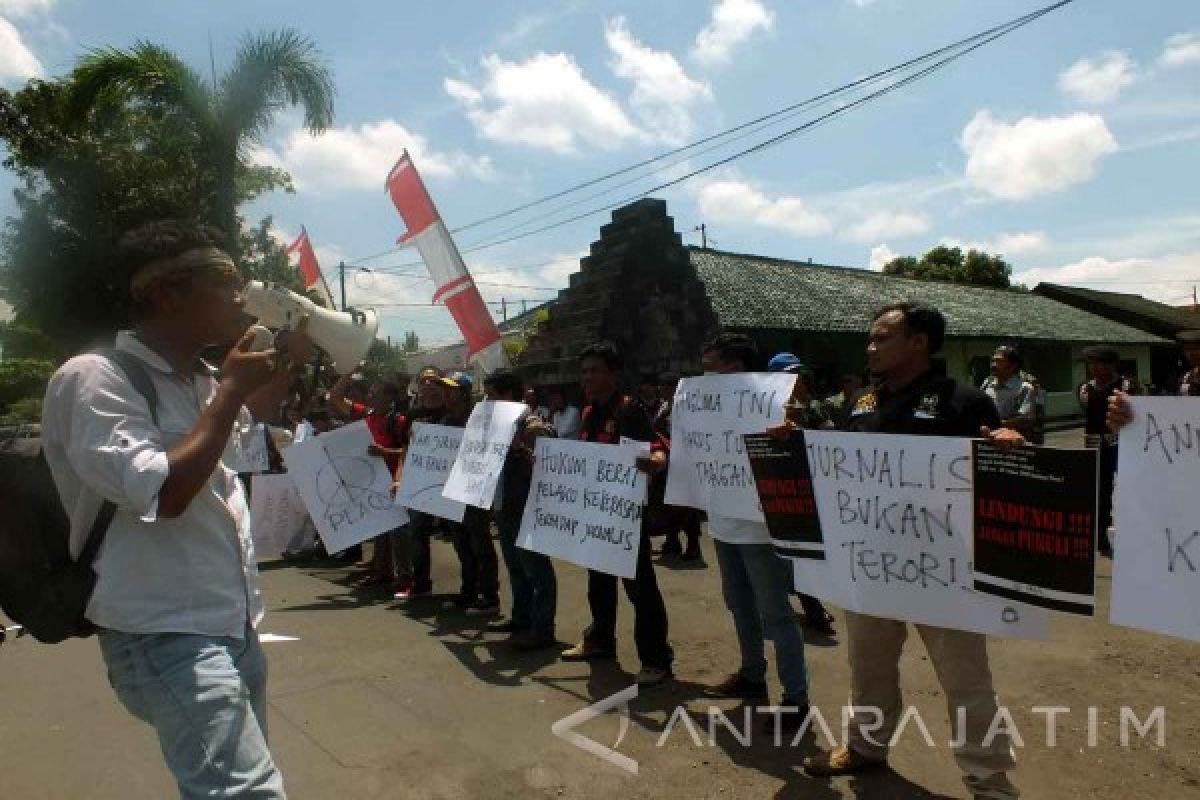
column 1035, row 526
column 785, row 491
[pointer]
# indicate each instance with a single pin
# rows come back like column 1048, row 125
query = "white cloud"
column 1005, row 244
column 880, row 224
column 1157, row 278
column 1035, row 155
column 545, row 102
column 1181, row 50
column 17, row 61
column 663, row 95
column 880, row 256
column 733, row 21
column 18, row 9
column 1099, row 81
column 359, row 158
column 736, row 201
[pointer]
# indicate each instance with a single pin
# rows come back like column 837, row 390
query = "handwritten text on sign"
column 1156, row 569
column 896, row 518
column 586, row 504
column 278, row 518
column 481, row 454
column 709, row 468
column 431, row 452
column 345, row 490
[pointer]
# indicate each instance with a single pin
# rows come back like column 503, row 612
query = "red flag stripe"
column 410, row 197
column 450, row 287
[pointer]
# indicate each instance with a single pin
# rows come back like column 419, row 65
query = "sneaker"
column 410, row 592
column 586, row 651
column 527, row 642
column 652, row 676
column 692, row 554
column 840, row 761
column 738, row 687
column 671, row 547
column 790, row 718
column 484, row 608
column 504, row 626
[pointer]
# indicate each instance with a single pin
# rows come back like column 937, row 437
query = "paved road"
column 375, row 702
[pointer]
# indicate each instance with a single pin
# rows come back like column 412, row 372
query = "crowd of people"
column 177, row 598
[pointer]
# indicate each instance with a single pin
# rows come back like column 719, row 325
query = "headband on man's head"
column 186, row 263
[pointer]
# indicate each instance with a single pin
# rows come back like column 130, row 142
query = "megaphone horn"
column 345, row 335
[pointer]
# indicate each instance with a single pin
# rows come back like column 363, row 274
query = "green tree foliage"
column 123, row 140
column 22, row 378
column 412, row 342
column 950, row 265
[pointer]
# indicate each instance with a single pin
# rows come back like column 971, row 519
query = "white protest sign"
column 345, row 490
column 897, row 522
column 709, row 468
column 431, row 451
column 1156, row 568
column 480, row 458
column 304, row 430
column 251, row 454
column 278, row 518
column 586, row 503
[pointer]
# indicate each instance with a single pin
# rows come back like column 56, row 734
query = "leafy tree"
column 950, row 265
column 90, row 170
column 22, row 378
column 270, row 72
column 412, row 342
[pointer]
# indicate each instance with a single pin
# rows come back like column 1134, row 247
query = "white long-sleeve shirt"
column 195, row 573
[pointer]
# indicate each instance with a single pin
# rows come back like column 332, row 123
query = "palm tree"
column 270, row 72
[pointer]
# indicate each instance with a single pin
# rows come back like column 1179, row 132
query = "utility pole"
column 342, row 280
column 703, row 235
column 524, row 306
column 504, row 309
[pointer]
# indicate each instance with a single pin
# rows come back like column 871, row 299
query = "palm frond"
column 270, row 72
column 146, row 72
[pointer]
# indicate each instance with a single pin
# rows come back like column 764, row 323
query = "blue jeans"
column 205, row 697
column 756, row 583
column 531, row 577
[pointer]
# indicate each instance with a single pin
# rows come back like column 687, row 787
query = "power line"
column 810, row 125
column 979, row 39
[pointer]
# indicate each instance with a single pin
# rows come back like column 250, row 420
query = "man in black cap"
column 1104, row 369
column 1189, row 384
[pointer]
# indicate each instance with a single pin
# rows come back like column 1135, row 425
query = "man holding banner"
column 912, row 399
column 609, row 417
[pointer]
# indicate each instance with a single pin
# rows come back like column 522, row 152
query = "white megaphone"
column 344, row 335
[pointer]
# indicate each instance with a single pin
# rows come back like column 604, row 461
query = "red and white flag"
column 308, row 265
column 452, row 282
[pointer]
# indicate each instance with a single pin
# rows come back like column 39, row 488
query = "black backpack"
column 41, row 587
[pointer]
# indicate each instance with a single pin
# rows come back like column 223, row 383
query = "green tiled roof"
column 757, row 292
column 1130, row 307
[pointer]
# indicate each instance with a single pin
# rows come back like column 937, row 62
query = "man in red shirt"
column 389, row 429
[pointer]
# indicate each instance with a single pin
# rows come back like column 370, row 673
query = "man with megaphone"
column 176, row 597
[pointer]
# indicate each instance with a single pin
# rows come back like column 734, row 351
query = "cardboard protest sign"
column 897, row 523
column 250, row 450
column 480, row 458
column 345, row 490
column 786, row 493
column 1035, row 526
column 278, row 519
column 586, row 504
column 431, row 452
column 1156, row 564
column 709, row 469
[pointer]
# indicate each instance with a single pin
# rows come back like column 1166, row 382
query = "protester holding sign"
column 1104, row 364
column 530, row 575
column 479, row 594
column 912, row 399
column 413, row 556
column 607, row 418
column 803, row 411
column 755, row 581
column 665, row 519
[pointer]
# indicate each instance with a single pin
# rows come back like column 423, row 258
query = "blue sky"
column 1072, row 146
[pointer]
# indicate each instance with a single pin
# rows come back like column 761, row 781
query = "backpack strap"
column 136, row 372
